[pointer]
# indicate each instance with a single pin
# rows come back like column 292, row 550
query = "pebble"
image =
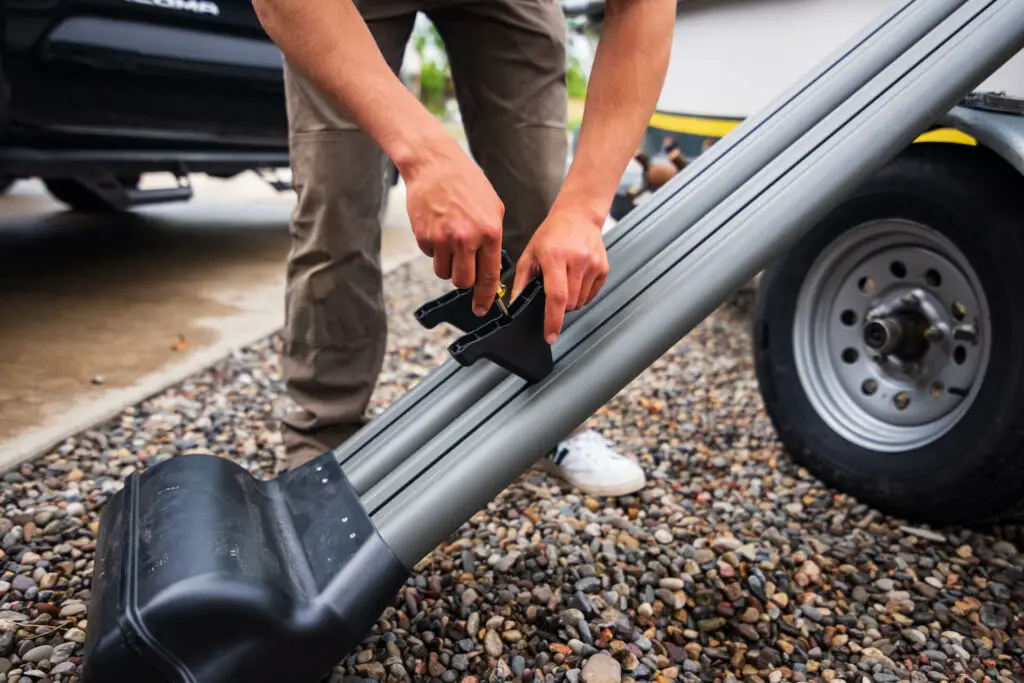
column 733, row 563
column 38, row 654
column 663, row 536
column 492, row 644
column 74, row 610
column 601, row 668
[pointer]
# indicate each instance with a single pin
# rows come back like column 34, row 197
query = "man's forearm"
column 329, row 42
column 626, row 80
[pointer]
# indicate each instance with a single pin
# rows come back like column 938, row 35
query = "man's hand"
column 456, row 215
column 456, row 218
column 629, row 70
column 568, row 252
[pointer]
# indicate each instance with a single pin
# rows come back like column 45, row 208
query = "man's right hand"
column 456, row 217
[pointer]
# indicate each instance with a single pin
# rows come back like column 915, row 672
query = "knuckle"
column 555, row 252
column 460, row 236
column 490, row 232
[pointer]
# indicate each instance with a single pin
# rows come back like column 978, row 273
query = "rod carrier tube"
column 417, row 416
column 444, row 483
column 204, row 574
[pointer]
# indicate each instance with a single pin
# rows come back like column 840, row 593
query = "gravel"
column 733, row 564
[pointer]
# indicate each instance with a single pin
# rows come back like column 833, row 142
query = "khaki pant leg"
column 509, row 64
column 335, row 328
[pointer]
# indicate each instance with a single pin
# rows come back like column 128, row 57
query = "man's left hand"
column 568, row 252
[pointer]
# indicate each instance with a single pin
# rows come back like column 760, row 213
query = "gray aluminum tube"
column 774, row 210
column 451, row 434
column 430, row 406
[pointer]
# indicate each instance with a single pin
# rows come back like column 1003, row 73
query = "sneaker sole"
column 619, row 488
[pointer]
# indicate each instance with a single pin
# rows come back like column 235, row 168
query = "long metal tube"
column 418, row 416
column 758, row 222
column 451, row 434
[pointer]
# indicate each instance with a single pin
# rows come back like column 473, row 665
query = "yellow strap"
column 719, row 128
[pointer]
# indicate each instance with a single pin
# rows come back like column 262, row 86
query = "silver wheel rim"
column 891, row 335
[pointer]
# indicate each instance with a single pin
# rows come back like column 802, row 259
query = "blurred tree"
column 576, row 78
column 435, row 80
column 428, row 73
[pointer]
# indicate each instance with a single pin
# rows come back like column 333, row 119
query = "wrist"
column 584, row 208
column 419, row 146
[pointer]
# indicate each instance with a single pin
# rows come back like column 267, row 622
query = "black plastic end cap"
column 204, row 574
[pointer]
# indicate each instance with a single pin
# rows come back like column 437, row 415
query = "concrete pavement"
column 99, row 312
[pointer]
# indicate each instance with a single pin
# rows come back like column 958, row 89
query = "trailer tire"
column 964, row 466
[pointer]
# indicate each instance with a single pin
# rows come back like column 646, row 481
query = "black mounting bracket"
column 456, row 307
column 513, row 340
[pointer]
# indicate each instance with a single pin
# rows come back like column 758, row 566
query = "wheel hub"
column 903, row 335
column 890, row 335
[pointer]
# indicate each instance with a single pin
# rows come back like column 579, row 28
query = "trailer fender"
column 1001, row 133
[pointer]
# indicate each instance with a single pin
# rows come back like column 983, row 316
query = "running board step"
column 136, row 197
column 204, row 573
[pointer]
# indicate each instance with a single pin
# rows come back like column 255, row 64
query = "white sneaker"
column 588, row 462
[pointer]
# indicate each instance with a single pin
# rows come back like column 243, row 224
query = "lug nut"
column 965, row 332
column 934, row 334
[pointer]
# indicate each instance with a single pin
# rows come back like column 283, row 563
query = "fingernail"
column 552, row 338
column 479, row 311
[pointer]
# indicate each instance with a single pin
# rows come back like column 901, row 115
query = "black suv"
column 93, row 93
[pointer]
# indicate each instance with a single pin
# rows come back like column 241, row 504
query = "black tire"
column 80, row 197
column 621, row 206
column 974, row 473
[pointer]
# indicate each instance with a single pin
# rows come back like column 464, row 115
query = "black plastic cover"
column 205, row 574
